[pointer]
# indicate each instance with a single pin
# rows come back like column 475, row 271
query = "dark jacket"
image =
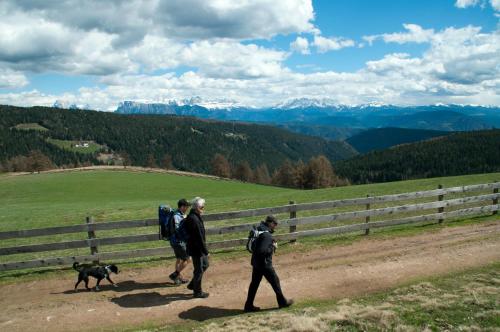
column 196, row 245
column 262, row 256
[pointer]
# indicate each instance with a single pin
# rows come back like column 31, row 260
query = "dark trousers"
column 200, row 264
column 271, row 277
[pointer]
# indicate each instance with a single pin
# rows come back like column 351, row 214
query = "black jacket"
column 196, row 243
column 262, row 256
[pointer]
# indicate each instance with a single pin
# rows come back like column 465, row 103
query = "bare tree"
column 299, row 175
column 37, row 161
column 220, row 166
column 125, row 159
column 284, row 176
column 151, row 161
column 243, row 172
column 166, row 162
column 319, row 173
column 262, row 174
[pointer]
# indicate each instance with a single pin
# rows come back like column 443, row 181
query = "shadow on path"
column 124, row 286
column 201, row 313
column 143, row 300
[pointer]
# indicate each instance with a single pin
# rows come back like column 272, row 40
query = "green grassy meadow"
column 30, row 126
column 56, row 199
column 66, row 198
column 70, row 146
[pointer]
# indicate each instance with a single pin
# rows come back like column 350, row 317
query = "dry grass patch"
column 467, row 302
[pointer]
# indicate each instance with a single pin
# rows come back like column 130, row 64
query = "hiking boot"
column 251, row 309
column 201, row 295
column 173, row 276
column 286, row 304
column 183, row 281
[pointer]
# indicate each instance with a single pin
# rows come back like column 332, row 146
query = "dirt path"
column 341, row 271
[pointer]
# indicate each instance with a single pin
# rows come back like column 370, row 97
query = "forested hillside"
column 456, row 154
column 150, row 140
column 383, row 138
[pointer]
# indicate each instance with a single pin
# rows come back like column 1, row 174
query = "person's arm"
column 204, row 248
column 177, row 218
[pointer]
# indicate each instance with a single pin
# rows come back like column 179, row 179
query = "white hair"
column 198, row 202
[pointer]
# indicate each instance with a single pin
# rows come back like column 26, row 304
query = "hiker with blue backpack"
column 262, row 245
column 178, row 242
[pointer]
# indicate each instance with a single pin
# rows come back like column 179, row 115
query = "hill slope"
column 459, row 153
column 190, row 142
column 383, row 138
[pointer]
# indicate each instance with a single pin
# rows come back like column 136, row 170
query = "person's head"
column 271, row 222
column 183, row 205
column 198, row 204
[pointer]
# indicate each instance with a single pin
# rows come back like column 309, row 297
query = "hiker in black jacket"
column 196, row 245
column 262, row 262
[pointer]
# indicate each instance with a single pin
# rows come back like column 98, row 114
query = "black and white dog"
column 98, row 272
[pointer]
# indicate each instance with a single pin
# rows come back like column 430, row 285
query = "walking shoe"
column 201, row 295
column 177, row 281
column 183, row 281
column 251, row 309
column 286, row 304
column 173, row 276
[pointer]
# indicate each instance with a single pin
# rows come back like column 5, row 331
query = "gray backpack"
column 252, row 238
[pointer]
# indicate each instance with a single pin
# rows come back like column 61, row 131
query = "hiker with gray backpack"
column 262, row 246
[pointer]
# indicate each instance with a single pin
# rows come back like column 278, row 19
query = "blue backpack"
column 166, row 222
column 181, row 234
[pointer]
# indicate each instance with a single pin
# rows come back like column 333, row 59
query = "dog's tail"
column 75, row 266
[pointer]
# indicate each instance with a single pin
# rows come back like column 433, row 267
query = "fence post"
column 495, row 200
column 91, row 234
column 440, row 198
column 293, row 215
column 367, row 219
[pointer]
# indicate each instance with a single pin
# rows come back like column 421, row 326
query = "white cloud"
column 127, row 44
column 467, row 56
column 228, row 59
column 195, row 19
column 324, row 44
column 495, row 4
column 300, row 45
column 466, row 3
column 414, row 34
column 190, row 19
column 233, row 60
column 28, row 38
column 104, row 38
column 12, row 79
column 472, row 3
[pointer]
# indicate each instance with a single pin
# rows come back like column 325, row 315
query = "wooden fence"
column 488, row 204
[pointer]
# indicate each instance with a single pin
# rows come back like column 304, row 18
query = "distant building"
column 81, row 145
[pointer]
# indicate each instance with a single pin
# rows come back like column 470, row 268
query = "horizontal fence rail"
column 94, row 242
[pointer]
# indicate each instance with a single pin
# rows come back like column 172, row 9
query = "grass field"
column 30, row 126
column 56, row 199
column 42, row 200
column 70, row 146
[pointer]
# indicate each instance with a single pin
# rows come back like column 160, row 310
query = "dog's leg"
column 97, row 284
column 86, row 279
column 78, row 282
column 111, row 281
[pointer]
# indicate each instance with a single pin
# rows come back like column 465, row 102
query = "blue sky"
column 251, row 53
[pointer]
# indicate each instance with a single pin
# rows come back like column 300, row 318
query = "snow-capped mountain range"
column 325, row 112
